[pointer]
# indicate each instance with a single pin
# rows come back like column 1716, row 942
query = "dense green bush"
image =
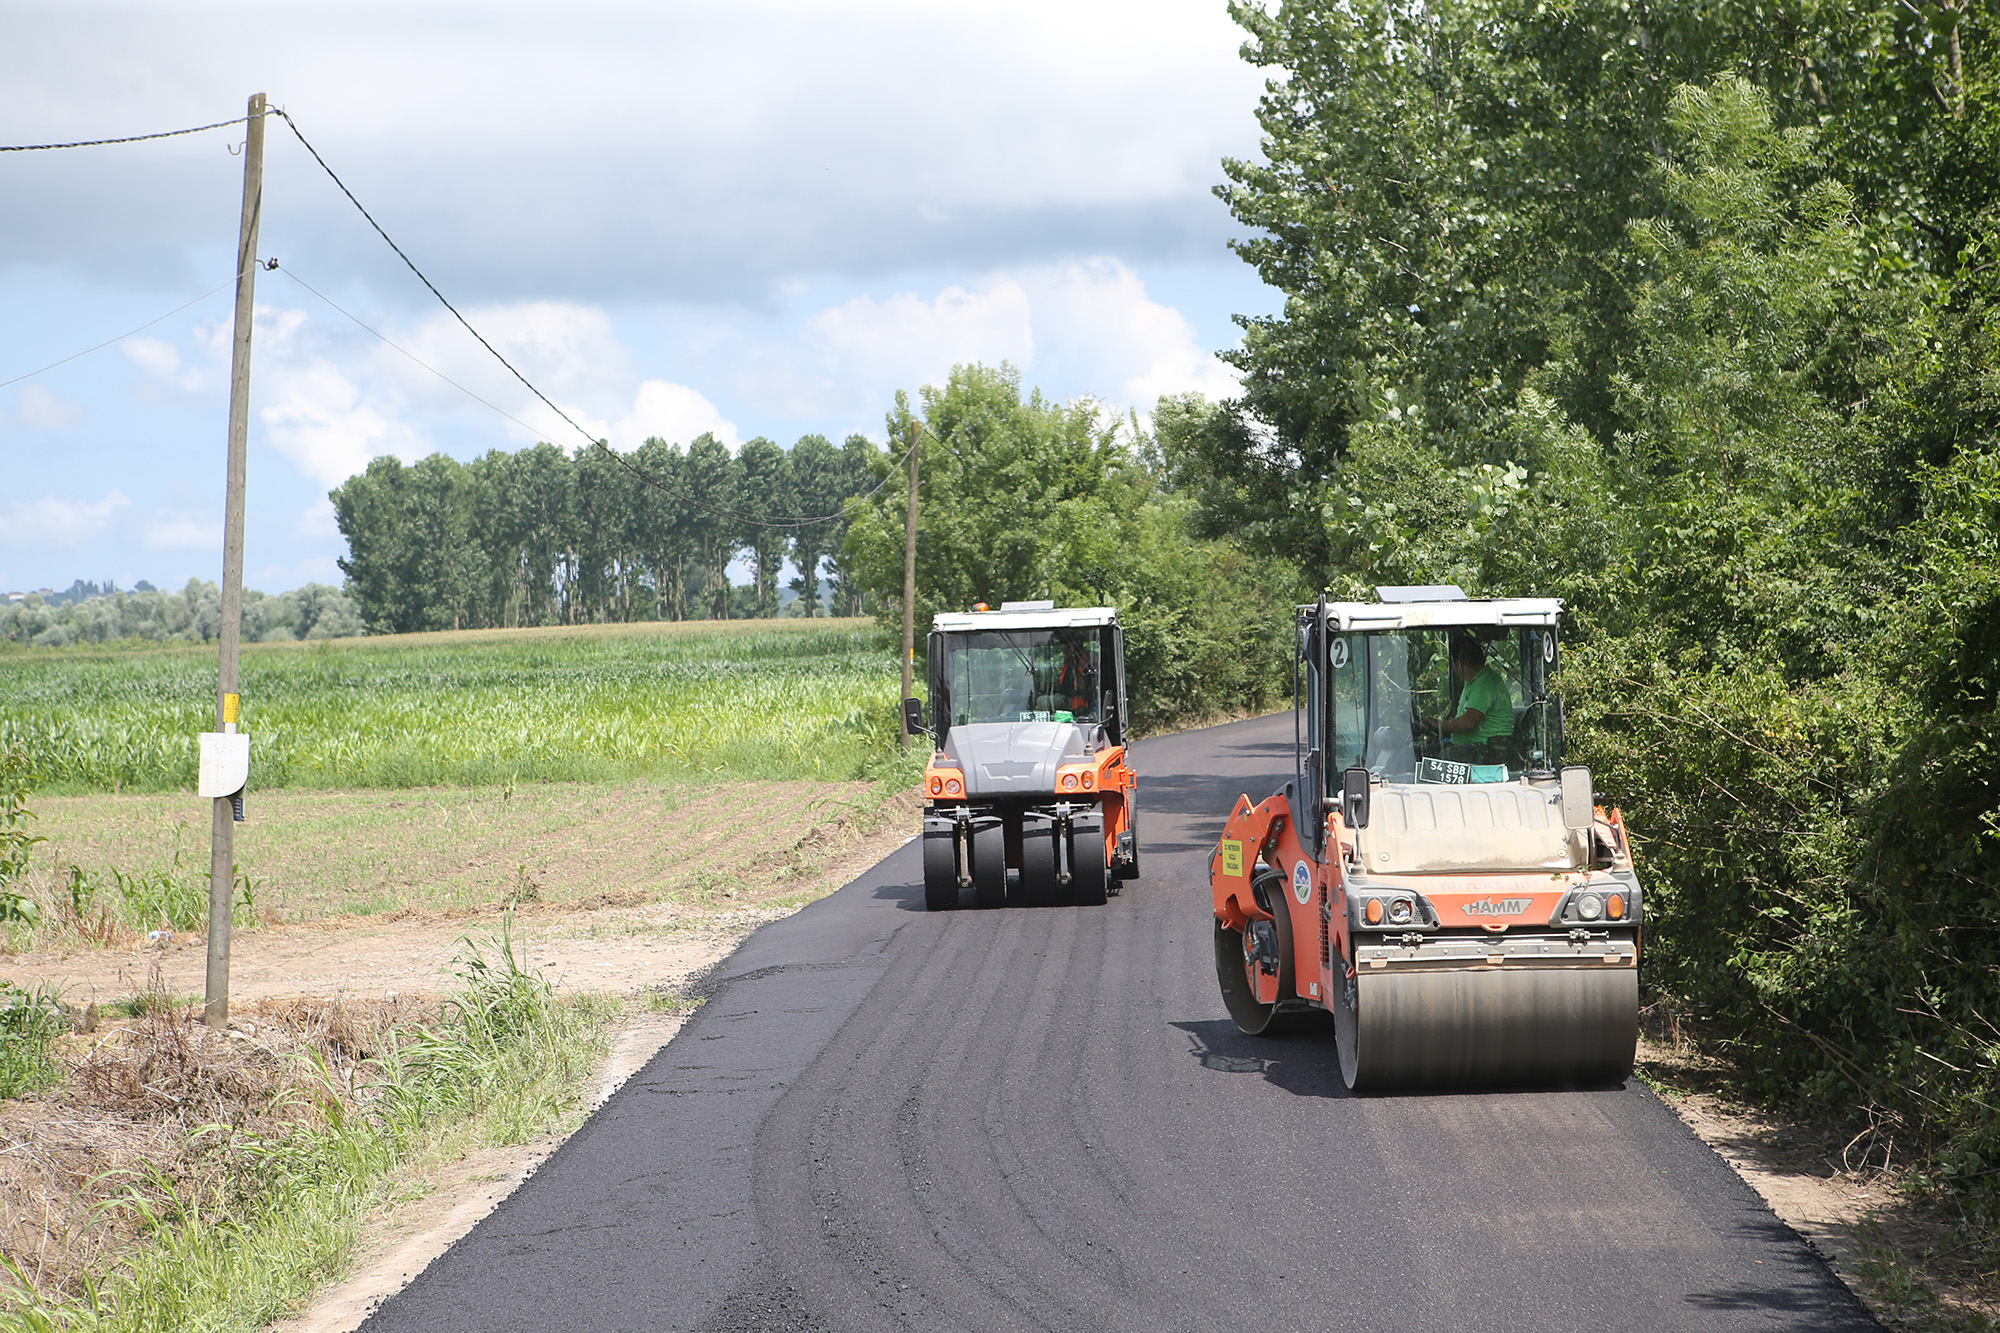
column 1686, row 318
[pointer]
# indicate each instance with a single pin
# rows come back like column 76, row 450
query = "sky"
column 764, row 217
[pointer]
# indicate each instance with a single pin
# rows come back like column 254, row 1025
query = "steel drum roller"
column 1551, row 1026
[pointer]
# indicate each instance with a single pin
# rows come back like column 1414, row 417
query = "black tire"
column 1089, row 877
column 1239, row 997
column 1234, row 968
column 940, row 870
column 1038, row 863
column 989, row 865
column 1270, row 889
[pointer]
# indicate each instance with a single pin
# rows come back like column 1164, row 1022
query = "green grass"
column 30, row 1022
column 509, row 1060
column 745, row 700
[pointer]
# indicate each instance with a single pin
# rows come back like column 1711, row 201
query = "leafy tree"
column 714, row 482
column 861, row 469
column 666, row 525
column 369, row 509
column 818, row 487
column 767, row 493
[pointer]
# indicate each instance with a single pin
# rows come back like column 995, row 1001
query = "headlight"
column 1400, row 911
column 1069, row 782
column 937, row 786
column 1087, row 781
column 1590, row 907
column 952, row 787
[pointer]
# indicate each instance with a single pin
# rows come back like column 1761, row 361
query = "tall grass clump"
column 598, row 703
column 506, row 1059
column 17, row 777
column 30, row 1022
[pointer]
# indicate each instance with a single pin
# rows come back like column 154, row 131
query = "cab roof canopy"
column 1442, row 606
column 1026, row 615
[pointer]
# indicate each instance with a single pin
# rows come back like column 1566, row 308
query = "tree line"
column 191, row 615
column 547, row 536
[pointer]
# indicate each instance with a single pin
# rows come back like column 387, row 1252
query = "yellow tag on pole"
column 229, row 705
column 1232, row 857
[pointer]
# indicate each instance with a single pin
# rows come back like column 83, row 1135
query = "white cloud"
column 41, row 407
column 906, row 339
column 182, row 532
column 1134, row 348
column 1089, row 325
column 314, row 415
column 152, row 355
column 566, row 349
column 673, row 412
column 54, row 522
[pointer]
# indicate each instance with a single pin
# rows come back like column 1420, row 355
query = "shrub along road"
column 1042, row 1119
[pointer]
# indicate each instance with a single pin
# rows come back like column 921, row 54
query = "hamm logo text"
column 1498, row 907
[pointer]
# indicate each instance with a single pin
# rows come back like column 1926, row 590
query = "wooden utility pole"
column 910, row 583
column 222, row 846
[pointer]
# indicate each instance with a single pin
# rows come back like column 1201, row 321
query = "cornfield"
column 780, row 700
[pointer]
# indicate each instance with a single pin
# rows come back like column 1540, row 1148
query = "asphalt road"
column 886, row 1118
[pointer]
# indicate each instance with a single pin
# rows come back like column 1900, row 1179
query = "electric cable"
column 613, row 454
column 123, row 336
column 130, row 138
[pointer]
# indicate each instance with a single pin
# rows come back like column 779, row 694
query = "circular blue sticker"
column 1302, row 883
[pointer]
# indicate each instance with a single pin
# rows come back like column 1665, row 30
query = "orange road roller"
column 1433, row 875
column 1029, row 796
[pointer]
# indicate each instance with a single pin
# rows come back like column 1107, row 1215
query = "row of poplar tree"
column 544, row 536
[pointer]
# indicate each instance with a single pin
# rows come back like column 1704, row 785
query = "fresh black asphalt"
column 884, row 1118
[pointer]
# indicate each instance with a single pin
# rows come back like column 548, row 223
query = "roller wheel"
column 940, row 872
column 989, row 865
column 1549, row 1027
column 1089, row 877
column 1038, row 863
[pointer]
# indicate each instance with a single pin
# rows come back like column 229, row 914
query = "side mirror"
column 1579, row 802
column 913, row 718
column 1354, row 797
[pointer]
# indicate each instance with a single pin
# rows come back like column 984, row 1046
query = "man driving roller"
column 1486, row 706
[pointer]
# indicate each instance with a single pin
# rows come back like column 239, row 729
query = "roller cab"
column 1434, row 875
column 1029, row 798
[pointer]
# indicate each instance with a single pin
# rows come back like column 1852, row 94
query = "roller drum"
column 1561, row 1027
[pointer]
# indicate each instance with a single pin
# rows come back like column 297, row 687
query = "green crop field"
column 733, row 699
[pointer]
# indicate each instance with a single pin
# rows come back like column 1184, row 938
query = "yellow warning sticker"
column 229, row 706
column 1232, row 856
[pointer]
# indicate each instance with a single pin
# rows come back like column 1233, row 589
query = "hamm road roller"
column 1433, row 874
column 1029, row 798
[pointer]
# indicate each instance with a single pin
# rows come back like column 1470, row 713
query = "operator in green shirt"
column 1486, row 707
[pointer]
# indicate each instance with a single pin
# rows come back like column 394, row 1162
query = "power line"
column 121, row 337
column 609, row 452
column 130, row 138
